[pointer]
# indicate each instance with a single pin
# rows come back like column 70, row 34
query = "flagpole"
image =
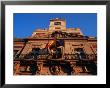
column 48, row 43
column 48, row 40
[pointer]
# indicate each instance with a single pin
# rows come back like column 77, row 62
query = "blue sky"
column 25, row 23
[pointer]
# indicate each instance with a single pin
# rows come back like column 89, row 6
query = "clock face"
column 57, row 23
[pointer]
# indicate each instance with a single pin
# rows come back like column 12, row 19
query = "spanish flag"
column 51, row 44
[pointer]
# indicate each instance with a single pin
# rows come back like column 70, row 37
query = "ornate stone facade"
column 56, row 51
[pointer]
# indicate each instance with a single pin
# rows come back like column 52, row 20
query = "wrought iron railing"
column 64, row 57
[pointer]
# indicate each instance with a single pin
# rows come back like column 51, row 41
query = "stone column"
column 39, row 68
column 16, row 68
column 63, row 52
column 73, row 66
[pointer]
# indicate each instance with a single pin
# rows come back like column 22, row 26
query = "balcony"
column 86, row 57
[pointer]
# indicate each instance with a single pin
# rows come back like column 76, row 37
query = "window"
column 80, row 52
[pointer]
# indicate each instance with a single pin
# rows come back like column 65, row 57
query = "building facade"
column 55, row 51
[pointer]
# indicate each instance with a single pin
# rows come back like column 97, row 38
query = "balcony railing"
column 63, row 57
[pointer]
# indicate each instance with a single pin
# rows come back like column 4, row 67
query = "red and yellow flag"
column 51, row 43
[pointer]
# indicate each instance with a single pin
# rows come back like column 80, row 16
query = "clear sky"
column 26, row 23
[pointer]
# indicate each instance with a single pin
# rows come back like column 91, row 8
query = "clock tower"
column 57, row 24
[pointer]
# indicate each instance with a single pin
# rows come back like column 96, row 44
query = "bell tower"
column 57, row 24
